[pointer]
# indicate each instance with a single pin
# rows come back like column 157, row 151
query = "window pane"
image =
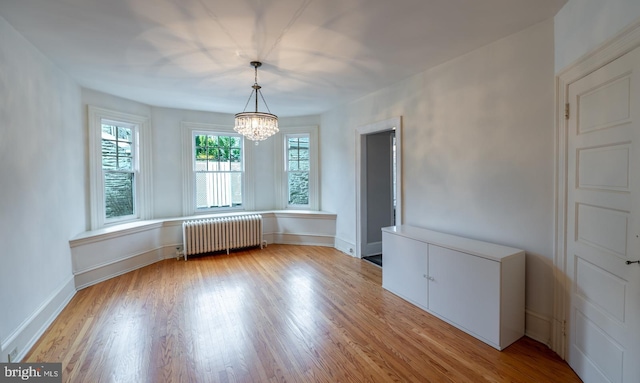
column 304, row 165
column 298, row 183
column 236, row 164
column 124, row 134
column 303, row 154
column 109, row 162
column 223, row 155
column 213, row 166
column 117, row 147
column 298, row 142
column 292, row 143
column 200, row 141
column 201, row 159
column 213, row 154
column 124, row 148
column 298, row 154
column 236, row 189
column 219, row 182
column 218, row 190
column 118, row 193
column 293, row 154
column 108, row 132
column 203, row 197
column 125, row 163
column 108, row 147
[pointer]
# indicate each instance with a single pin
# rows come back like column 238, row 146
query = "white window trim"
column 281, row 178
column 143, row 198
column 188, row 191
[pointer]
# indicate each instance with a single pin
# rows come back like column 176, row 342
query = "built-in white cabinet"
column 399, row 274
column 473, row 285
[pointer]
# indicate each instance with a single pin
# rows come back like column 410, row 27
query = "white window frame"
column 189, row 129
column 281, row 175
column 143, row 196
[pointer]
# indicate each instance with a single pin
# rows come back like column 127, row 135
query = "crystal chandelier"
column 256, row 126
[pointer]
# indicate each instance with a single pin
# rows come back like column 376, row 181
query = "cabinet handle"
column 431, row 278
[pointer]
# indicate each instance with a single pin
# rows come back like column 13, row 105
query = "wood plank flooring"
column 284, row 313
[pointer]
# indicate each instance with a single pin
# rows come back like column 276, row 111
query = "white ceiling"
column 317, row 54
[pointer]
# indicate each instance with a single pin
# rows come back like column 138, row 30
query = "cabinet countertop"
column 470, row 246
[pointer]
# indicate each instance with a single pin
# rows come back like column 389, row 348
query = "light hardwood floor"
column 284, row 313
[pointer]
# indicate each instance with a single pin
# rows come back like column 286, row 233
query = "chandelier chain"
column 248, row 100
column 263, row 100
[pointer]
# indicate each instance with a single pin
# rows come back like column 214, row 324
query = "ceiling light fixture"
column 256, row 126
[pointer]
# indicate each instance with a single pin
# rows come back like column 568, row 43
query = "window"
column 120, row 167
column 299, row 163
column 118, row 170
column 217, row 163
column 297, row 168
column 216, row 175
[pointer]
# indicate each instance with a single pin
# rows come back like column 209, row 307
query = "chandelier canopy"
column 256, row 126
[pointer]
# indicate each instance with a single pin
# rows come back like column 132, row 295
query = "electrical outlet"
column 179, row 252
column 13, row 355
column 351, row 250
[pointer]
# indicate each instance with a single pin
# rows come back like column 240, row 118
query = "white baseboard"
column 302, row 239
column 538, row 327
column 170, row 251
column 26, row 335
column 371, row 249
column 345, row 246
column 97, row 274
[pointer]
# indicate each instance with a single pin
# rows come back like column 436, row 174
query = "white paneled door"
column 603, row 223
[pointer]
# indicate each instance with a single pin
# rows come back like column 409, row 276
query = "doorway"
column 378, row 185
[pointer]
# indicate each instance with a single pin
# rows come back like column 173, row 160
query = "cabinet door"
column 465, row 290
column 404, row 268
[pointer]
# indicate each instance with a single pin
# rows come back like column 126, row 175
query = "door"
column 603, row 223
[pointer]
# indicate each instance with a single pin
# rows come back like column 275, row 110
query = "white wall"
column 478, row 152
column 582, row 25
column 167, row 156
column 42, row 188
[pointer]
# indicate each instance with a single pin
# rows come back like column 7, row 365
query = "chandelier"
column 256, row 126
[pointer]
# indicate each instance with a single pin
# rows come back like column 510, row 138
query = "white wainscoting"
column 345, row 246
column 301, row 228
column 538, row 327
column 26, row 335
column 102, row 254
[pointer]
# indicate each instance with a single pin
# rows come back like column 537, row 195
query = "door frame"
column 616, row 47
column 394, row 123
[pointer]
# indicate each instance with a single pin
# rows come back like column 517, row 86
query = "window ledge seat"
column 101, row 254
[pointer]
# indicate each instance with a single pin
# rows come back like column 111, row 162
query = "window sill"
column 119, row 230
